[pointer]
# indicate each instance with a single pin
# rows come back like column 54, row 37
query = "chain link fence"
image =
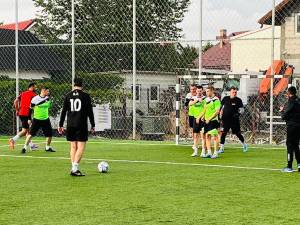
column 139, row 48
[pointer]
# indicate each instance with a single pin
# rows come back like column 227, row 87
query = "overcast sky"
column 233, row 15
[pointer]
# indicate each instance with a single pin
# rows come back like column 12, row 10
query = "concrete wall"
column 252, row 50
column 291, row 42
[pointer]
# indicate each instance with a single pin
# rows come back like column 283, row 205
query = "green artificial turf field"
column 148, row 183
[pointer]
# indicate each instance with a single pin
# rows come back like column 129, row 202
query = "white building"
column 251, row 51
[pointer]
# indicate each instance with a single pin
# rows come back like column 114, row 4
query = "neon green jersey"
column 199, row 107
column 41, row 106
column 189, row 98
column 212, row 105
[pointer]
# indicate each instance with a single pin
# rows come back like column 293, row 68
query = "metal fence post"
column 17, row 54
column 200, row 41
column 272, row 73
column 134, row 70
column 73, row 42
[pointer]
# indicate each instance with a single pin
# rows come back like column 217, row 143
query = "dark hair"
column 44, row 88
column 233, row 88
column 31, row 85
column 292, row 90
column 199, row 87
column 78, row 82
column 193, row 85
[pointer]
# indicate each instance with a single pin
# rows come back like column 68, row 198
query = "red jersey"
column 24, row 102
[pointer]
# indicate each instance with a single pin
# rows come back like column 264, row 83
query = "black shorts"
column 77, row 134
column 45, row 125
column 233, row 124
column 24, row 121
column 214, row 124
column 197, row 127
column 191, row 121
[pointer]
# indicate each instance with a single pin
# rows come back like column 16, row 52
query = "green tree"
column 111, row 21
column 207, row 46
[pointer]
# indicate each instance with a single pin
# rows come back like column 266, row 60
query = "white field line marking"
column 153, row 144
column 3, row 146
column 147, row 162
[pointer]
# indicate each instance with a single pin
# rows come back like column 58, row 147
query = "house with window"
column 218, row 57
column 251, row 53
column 287, row 17
column 151, row 85
column 217, row 60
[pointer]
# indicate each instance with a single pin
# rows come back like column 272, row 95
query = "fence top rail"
column 238, row 76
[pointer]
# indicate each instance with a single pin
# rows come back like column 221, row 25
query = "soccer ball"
column 103, row 167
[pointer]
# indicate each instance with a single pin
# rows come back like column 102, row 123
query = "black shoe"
column 23, row 151
column 50, row 150
column 77, row 174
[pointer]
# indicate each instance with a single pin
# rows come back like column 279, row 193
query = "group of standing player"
column 211, row 119
column 33, row 111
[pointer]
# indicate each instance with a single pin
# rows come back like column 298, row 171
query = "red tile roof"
column 238, row 33
column 21, row 25
column 216, row 57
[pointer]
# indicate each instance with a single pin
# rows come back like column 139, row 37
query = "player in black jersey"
column 78, row 108
column 232, row 107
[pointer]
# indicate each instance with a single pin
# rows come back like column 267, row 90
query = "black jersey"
column 78, row 108
column 231, row 107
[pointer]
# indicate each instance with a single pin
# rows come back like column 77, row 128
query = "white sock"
column 75, row 167
column 222, row 146
column 203, row 150
column 25, row 146
column 244, row 144
column 209, row 151
column 47, row 147
column 15, row 138
column 196, row 151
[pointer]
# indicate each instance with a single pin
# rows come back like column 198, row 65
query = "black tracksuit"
column 291, row 114
column 231, row 117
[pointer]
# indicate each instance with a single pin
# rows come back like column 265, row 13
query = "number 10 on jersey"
column 75, row 105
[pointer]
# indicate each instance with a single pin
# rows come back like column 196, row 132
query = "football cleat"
column 23, row 151
column 245, row 148
column 50, row 150
column 287, row 170
column 220, row 151
column 194, row 154
column 77, row 174
column 34, row 147
column 203, row 155
column 208, row 156
column 214, row 156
